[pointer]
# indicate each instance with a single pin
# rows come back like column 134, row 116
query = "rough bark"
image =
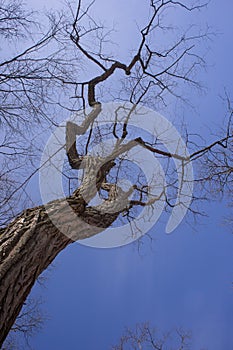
column 32, row 241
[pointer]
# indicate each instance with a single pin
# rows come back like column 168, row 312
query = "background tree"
column 29, row 82
column 144, row 336
column 28, row 322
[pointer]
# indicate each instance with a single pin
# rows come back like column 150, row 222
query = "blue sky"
column 178, row 280
column 182, row 279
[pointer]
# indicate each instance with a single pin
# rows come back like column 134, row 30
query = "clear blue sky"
column 183, row 279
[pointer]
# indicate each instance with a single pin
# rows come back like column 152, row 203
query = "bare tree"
column 144, row 336
column 29, row 321
column 216, row 172
column 29, row 82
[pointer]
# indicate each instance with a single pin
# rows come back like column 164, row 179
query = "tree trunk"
column 32, row 241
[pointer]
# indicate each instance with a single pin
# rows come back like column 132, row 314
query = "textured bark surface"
column 32, row 241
